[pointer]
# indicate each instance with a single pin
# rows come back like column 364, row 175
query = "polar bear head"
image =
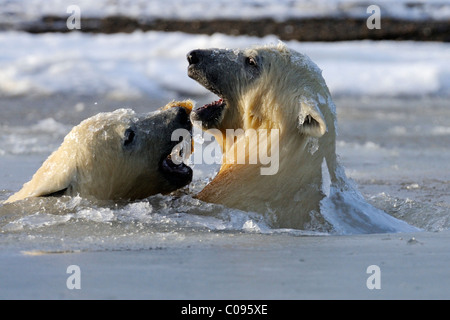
column 266, row 88
column 261, row 87
column 116, row 155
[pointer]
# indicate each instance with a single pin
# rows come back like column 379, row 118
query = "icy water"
column 396, row 150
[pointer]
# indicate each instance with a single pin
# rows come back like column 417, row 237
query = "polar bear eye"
column 251, row 61
column 128, row 137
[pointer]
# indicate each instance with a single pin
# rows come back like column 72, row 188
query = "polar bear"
column 116, row 155
column 280, row 92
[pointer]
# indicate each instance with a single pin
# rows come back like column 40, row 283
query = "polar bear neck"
column 298, row 178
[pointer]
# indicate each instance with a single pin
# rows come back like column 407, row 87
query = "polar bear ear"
column 310, row 120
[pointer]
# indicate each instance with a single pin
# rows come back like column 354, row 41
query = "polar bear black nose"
column 193, row 57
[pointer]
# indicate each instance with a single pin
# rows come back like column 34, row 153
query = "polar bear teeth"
column 214, row 103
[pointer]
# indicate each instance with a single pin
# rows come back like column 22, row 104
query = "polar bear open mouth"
column 171, row 167
column 210, row 111
column 209, row 114
column 176, row 174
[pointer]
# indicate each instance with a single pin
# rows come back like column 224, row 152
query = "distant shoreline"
column 307, row 29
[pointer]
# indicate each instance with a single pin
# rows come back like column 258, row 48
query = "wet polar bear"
column 278, row 90
column 116, row 155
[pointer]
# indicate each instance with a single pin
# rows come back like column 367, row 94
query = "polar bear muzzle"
column 210, row 114
column 226, row 73
column 177, row 174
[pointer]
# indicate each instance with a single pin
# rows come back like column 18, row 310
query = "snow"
column 154, row 64
column 26, row 10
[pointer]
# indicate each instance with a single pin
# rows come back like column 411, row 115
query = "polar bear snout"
column 175, row 171
column 193, row 57
column 204, row 67
column 230, row 74
column 218, row 70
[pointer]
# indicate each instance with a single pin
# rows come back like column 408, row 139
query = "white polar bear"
column 115, row 155
column 273, row 89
